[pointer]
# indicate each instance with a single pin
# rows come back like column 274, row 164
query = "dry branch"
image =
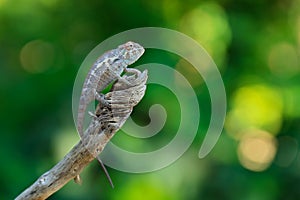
column 106, row 121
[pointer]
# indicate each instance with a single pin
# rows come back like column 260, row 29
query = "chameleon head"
column 131, row 52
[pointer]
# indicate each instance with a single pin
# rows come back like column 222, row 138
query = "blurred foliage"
column 255, row 45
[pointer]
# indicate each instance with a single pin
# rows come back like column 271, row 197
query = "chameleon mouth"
column 141, row 51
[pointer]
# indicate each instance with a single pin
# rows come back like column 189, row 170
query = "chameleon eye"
column 129, row 46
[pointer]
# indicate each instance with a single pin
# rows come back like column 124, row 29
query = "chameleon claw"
column 125, row 81
column 92, row 114
column 133, row 71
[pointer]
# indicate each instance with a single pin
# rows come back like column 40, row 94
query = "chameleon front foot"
column 100, row 97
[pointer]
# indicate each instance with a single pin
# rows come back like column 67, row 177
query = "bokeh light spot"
column 208, row 25
column 283, row 60
column 255, row 106
column 37, row 56
column 149, row 189
column 2, row 2
column 257, row 150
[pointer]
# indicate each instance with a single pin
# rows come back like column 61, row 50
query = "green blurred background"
column 255, row 45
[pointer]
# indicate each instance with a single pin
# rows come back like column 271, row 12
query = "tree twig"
column 106, row 121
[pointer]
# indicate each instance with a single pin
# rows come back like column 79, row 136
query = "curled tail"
column 80, row 115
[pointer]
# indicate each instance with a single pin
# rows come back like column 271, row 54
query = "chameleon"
column 106, row 70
